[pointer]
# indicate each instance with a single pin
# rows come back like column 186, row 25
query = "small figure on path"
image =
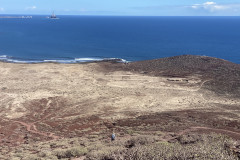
column 113, row 136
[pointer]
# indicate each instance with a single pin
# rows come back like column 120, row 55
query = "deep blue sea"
column 83, row 38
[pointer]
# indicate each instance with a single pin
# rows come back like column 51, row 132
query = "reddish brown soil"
column 43, row 123
column 31, row 128
column 171, row 124
column 46, row 118
column 182, row 122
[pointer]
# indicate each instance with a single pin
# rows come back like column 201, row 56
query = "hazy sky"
column 123, row 7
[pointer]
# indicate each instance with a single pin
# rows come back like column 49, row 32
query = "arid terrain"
column 51, row 103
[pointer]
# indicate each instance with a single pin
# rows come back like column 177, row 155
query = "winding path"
column 31, row 127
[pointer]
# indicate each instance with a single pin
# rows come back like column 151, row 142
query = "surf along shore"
column 47, row 104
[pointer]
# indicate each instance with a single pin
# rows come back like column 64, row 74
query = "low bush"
column 72, row 152
column 140, row 140
column 190, row 147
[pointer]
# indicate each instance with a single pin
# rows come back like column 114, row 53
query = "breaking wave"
column 5, row 58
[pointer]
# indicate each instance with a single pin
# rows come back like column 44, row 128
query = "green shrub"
column 140, row 140
column 73, row 152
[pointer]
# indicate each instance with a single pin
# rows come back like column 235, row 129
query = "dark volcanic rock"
column 221, row 76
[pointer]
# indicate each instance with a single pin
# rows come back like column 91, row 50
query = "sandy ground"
column 85, row 88
column 34, row 93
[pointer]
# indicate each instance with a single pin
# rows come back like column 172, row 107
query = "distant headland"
column 14, row 17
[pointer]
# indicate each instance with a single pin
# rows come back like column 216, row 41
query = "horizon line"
column 124, row 15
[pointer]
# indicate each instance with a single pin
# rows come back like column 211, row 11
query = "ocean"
column 72, row 39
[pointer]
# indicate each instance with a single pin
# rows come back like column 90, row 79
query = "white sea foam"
column 87, row 59
column 3, row 56
column 99, row 59
column 49, row 60
column 6, row 58
column 17, row 61
column 60, row 61
column 119, row 60
column 20, row 61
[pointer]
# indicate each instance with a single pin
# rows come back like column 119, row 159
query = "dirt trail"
column 207, row 128
column 221, row 130
column 168, row 136
column 33, row 129
column 202, row 84
column 191, row 129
